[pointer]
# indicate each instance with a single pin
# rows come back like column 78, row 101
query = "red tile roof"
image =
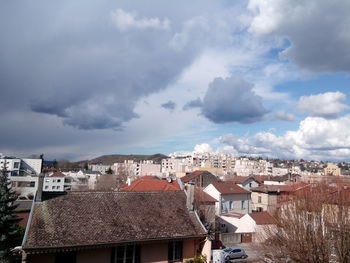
column 230, row 188
column 57, row 174
column 147, row 184
column 263, row 218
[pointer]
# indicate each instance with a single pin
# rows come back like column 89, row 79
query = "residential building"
column 236, row 228
column 113, row 227
column 200, row 178
column 101, row 168
column 265, row 226
column 54, row 182
column 24, row 186
column 231, row 198
column 245, row 182
column 332, row 169
column 173, row 166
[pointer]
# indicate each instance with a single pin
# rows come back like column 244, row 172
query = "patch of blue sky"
column 320, row 84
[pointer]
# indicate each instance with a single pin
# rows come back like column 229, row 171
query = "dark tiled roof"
column 151, row 184
column 191, row 176
column 263, row 218
column 230, row 188
column 203, row 197
column 265, row 188
column 92, row 218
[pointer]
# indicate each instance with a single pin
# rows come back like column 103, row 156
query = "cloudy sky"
column 267, row 78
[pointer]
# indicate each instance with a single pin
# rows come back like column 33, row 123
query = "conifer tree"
column 9, row 230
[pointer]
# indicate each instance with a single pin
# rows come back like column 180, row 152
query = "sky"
column 265, row 78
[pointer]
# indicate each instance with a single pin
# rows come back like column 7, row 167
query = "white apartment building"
column 99, row 168
column 177, row 165
column 21, row 166
column 135, row 169
column 54, row 182
column 24, row 186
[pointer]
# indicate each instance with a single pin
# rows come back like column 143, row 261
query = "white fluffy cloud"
column 327, row 105
column 124, row 20
column 318, row 30
column 202, row 148
column 283, row 116
column 316, row 138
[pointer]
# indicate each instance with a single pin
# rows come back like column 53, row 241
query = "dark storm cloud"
column 232, row 100
column 170, row 105
column 73, row 61
column 317, row 29
column 197, row 103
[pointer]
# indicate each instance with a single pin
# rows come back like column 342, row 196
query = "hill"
column 120, row 158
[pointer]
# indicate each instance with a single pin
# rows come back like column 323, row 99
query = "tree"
column 10, row 235
column 313, row 227
column 109, row 171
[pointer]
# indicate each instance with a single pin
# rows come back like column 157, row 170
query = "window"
column 243, row 204
column 16, row 165
column 126, row 254
column 53, row 187
column 58, row 187
column 58, row 180
column 66, row 257
column 259, row 199
column 32, row 184
column 47, row 180
column 175, row 251
column 46, row 187
column 223, row 205
column 231, row 205
column 54, row 180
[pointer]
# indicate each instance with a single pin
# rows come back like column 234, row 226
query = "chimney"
column 39, row 191
column 190, row 196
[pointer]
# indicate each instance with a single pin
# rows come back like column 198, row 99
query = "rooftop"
column 107, row 218
column 147, row 183
column 263, row 218
column 230, row 188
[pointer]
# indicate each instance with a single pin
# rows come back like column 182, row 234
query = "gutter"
column 29, row 222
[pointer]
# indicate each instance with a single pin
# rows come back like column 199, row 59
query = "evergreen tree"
column 9, row 230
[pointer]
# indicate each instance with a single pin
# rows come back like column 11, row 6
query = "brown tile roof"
column 230, row 188
column 265, row 188
column 95, row 218
column 151, row 184
column 57, row 174
column 203, row 197
column 263, row 218
column 191, row 176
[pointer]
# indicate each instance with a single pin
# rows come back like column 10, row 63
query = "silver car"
column 234, row 252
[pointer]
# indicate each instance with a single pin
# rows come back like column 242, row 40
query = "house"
column 265, row 226
column 113, row 227
column 54, row 182
column 248, row 182
column 236, row 228
column 152, row 183
column 205, row 205
column 200, row 178
column 231, row 198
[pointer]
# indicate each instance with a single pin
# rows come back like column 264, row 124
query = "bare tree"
column 313, row 227
column 122, row 174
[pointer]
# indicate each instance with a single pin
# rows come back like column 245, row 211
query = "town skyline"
column 80, row 80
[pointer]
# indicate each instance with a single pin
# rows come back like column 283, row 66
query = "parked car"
column 234, row 252
column 217, row 244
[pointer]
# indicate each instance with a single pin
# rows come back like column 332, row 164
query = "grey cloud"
column 170, row 105
column 232, row 100
column 197, row 103
column 283, row 116
column 317, row 29
column 64, row 58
